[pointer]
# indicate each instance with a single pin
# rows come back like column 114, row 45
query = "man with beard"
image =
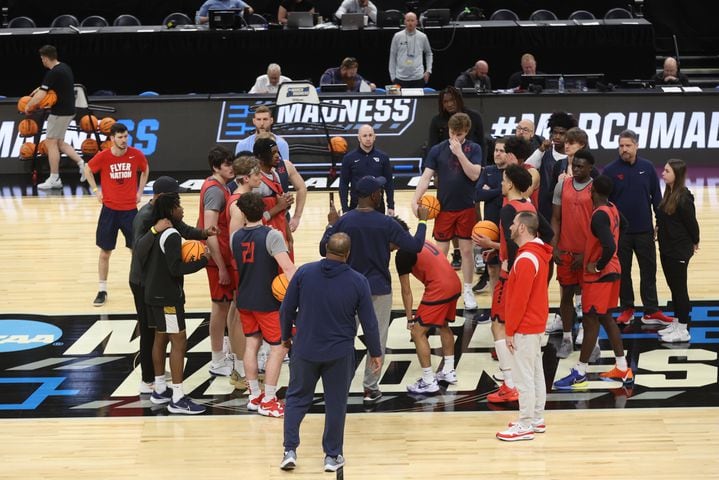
column 346, row 73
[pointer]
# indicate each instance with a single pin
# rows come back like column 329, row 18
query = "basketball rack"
column 82, row 108
column 303, row 92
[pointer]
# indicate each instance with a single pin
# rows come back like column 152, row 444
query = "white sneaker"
column 420, row 386
column 580, row 335
column 50, row 184
column 223, row 368
column 679, row 335
column 554, row 324
column 145, row 388
column 81, row 167
column 516, row 432
column 668, row 329
column 470, row 303
column 449, row 377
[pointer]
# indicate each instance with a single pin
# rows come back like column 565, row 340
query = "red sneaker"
column 272, row 408
column 504, row 394
column 657, row 318
column 626, row 316
column 253, row 403
column 626, row 376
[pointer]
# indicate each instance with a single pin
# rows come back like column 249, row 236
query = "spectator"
column 347, row 73
column 671, row 75
column 525, row 129
column 357, row 6
column 204, row 15
column 269, row 82
column 293, row 6
column 529, row 67
column 405, row 55
column 475, row 77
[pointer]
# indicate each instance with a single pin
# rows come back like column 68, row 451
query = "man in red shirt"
column 437, row 308
column 214, row 198
column 120, row 194
column 526, row 313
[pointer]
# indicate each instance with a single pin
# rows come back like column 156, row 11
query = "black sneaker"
column 100, row 299
column 456, row 260
column 482, row 284
column 371, row 397
column 481, row 318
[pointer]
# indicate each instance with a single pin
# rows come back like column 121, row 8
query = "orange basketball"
column 27, row 150
column 22, row 103
column 488, row 229
column 89, row 147
column 42, row 148
column 107, row 144
column 106, row 124
column 88, row 123
column 49, row 100
column 279, row 286
column 338, row 145
column 431, row 202
column 27, row 127
column 192, row 250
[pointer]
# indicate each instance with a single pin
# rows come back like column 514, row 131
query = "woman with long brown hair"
column 678, row 236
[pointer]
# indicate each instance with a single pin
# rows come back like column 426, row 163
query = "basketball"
column 22, row 103
column 89, row 147
column 88, row 123
column 488, row 229
column 432, row 204
column 49, row 100
column 192, row 250
column 27, row 150
column 106, row 145
column 106, row 124
column 27, row 127
column 42, row 148
column 279, row 286
column 338, row 145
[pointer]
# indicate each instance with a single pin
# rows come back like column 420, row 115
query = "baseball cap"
column 165, row 185
column 367, row 185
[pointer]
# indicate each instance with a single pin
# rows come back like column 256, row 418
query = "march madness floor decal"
column 83, row 366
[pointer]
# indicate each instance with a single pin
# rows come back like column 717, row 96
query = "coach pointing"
column 322, row 300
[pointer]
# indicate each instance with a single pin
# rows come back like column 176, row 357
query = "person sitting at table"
column 204, row 15
column 347, row 73
column 476, row 77
column 671, row 75
column 357, row 6
column 529, row 67
column 293, row 6
column 269, row 82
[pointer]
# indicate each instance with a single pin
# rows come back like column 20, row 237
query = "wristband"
column 423, row 221
column 153, row 230
column 94, row 189
column 267, row 216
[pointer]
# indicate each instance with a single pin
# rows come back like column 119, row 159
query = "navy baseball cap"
column 165, row 185
column 366, row 186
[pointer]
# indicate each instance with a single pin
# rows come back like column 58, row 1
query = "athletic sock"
column 54, row 177
column 427, row 375
column 581, row 368
column 270, row 391
column 448, row 363
column 254, row 387
column 239, row 366
column 102, row 285
column 177, row 392
column 567, row 335
column 217, row 357
column 160, row 384
column 622, row 363
column 505, row 361
column 682, row 327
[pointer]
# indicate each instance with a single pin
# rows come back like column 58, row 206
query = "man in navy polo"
column 365, row 160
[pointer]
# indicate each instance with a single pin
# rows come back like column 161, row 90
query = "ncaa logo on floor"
column 17, row 335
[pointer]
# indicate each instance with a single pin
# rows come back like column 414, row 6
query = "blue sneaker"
column 185, row 405
column 161, row 398
column 573, row 380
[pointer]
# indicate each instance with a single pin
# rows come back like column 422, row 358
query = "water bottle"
column 560, row 86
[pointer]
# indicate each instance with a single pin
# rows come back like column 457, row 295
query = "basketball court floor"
column 69, row 406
